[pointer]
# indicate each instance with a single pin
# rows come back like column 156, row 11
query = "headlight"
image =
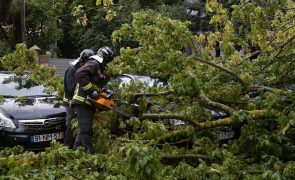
column 6, row 122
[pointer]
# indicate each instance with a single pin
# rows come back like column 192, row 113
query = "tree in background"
column 9, row 25
column 41, row 23
column 66, row 27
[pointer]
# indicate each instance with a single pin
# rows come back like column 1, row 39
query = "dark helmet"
column 106, row 53
column 85, row 54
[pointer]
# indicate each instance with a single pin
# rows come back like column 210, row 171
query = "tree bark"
column 23, row 21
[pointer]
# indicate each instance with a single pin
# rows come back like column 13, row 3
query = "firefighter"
column 90, row 80
column 69, row 88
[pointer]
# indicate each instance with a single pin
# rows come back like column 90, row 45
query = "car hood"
column 31, row 108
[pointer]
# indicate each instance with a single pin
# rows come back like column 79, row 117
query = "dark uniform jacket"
column 89, row 78
column 70, row 83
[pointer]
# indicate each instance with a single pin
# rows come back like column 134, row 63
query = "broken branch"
column 228, row 71
column 215, row 104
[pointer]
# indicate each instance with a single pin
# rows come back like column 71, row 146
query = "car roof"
column 7, row 72
column 13, row 73
column 135, row 76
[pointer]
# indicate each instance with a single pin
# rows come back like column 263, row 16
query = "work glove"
column 94, row 95
column 110, row 93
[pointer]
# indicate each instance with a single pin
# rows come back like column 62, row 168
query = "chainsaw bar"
column 122, row 112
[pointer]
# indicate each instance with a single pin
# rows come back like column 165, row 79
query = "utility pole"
column 23, row 21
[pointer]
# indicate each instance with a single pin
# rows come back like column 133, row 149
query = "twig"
column 185, row 156
column 132, row 140
column 213, row 170
column 250, row 171
column 287, row 9
column 271, row 41
column 286, row 71
column 280, row 51
column 248, row 57
column 73, row 175
column 286, row 128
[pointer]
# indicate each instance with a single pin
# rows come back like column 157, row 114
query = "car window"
column 150, row 82
column 147, row 81
column 119, row 81
column 12, row 85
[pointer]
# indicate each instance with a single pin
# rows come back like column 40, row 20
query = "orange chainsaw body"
column 102, row 102
column 105, row 102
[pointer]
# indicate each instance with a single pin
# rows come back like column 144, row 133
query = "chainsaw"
column 105, row 101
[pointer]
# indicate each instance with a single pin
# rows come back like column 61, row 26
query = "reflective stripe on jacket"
column 80, row 97
column 88, row 79
column 65, row 100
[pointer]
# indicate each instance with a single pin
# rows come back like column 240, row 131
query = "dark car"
column 118, row 82
column 29, row 116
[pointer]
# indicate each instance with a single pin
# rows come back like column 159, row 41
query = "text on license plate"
column 225, row 135
column 47, row 137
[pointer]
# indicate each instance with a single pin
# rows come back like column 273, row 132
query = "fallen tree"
column 254, row 88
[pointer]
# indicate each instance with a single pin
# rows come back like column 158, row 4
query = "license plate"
column 225, row 135
column 47, row 137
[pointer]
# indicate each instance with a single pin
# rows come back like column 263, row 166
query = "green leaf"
column 148, row 169
column 292, row 122
column 98, row 2
column 137, row 167
column 265, row 174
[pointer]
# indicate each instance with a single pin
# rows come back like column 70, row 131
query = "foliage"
column 24, row 61
column 250, row 80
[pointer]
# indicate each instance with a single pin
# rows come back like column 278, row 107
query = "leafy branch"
column 228, row 71
column 202, row 97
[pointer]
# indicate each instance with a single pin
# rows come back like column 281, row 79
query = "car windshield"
column 119, row 81
column 145, row 80
column 150, row 82
column 14, row 86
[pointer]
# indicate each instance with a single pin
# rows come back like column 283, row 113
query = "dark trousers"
column 69, row 137
column 85, row 115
